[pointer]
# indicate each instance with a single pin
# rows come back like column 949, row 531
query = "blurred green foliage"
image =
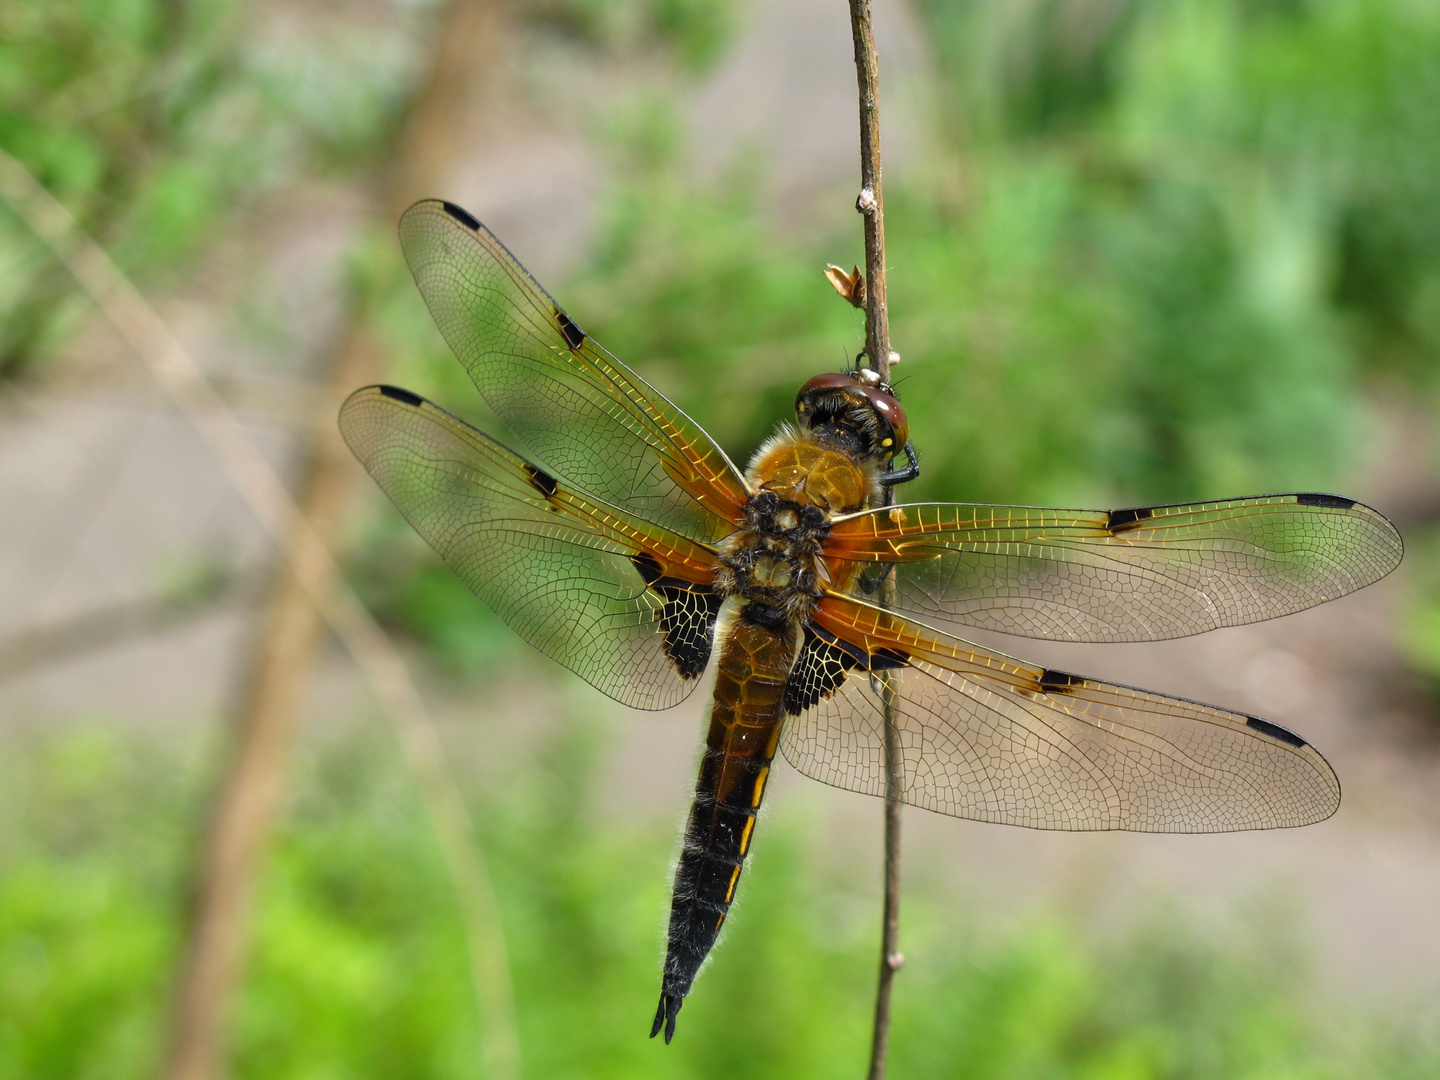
column 359, row 966
column 159, row 122
column 693, row 33
column 1418, row 616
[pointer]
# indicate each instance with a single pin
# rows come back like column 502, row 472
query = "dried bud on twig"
column 851, row 286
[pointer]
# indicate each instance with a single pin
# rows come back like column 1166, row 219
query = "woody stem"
column 877, row 347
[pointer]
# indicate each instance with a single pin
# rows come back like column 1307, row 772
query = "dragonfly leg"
column 910, row 472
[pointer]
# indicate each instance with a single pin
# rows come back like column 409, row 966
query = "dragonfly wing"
column 585, row 416
column 620, row 601
column 1143, row 574
column 990, row 738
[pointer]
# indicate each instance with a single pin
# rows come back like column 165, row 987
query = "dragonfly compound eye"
column 889, row 410
column 821, row 386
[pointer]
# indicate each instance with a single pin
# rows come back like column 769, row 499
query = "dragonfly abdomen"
column 755, row 661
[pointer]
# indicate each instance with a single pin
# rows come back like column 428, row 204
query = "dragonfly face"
column 854, row 411
column 624, row 544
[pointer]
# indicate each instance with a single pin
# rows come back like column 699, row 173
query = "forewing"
column 622, row 602
column 1141, row 574
column 990, row 738
column 587, row 417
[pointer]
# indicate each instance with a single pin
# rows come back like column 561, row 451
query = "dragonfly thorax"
column 772, row 559
column 804, row 471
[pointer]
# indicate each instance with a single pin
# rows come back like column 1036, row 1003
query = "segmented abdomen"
column 745, row 720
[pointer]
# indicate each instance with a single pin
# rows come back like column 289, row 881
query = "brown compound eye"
column 887, row 407
column 831, row 380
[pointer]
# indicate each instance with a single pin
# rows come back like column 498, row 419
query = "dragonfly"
column 623, row 543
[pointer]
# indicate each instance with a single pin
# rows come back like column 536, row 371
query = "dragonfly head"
column 856, row 409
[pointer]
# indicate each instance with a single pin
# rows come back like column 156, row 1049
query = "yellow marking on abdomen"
column 745, row 835
column 758, row 794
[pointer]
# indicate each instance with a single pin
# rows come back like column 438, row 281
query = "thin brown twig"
column 890, row 956
column 871, row 204
column 871, row 201
column 315, row 568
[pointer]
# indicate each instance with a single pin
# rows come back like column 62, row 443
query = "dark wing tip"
column 401, row 394
column 665, row 1016
column 1378, row 521
column 463, row 216
column 1330, row 502
column 1275, row 731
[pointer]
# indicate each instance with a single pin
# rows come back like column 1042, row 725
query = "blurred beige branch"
column 314, row 569
column 106, row 626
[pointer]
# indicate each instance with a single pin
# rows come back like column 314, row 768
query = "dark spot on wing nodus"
column 574, row 336
column 1120, row 520
column 885, row 659
column 1330, row 502
column 400, row 394
column 463, row 216
column 1052, row 681
column 1275, row 731
column 541, row 480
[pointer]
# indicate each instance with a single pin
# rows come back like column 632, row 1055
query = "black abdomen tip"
column 665, row 1016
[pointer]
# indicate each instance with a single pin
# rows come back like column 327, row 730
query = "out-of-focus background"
column 1139, row 252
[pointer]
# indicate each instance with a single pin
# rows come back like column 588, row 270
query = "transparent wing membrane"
column 583, row 414
column 618, row 600
column 990, row 738
column 1141, row 574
